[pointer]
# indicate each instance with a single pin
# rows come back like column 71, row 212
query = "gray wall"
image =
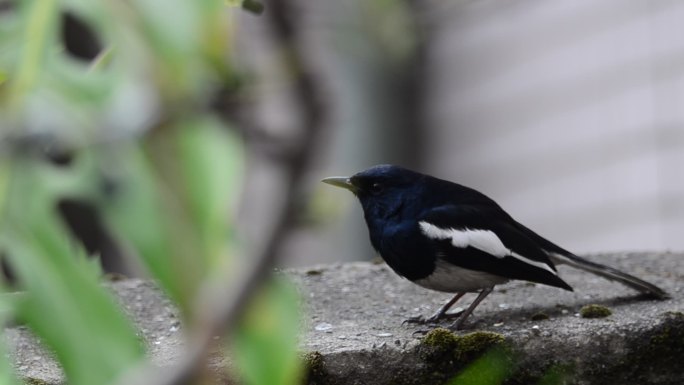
column 569, row 113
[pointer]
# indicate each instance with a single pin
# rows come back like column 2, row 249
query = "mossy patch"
column 447, row 353
column 673, row 314
column 668, row 331
column 474, row 343
column 314, row 367
column 440, row 338
column 34, row 381
column 313, row 360
column 539, row 316
column 464, row 347
column 594, row 311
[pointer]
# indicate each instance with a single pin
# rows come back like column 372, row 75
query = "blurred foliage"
column 500, row 365
column 173, row 206
column 268, row 325
column 64, row 304
column 491, row 369
column 149, row 153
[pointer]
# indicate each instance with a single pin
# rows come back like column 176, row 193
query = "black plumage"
column 448, row 237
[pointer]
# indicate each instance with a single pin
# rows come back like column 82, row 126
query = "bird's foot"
column 456, row 326
column 422, row 320
column 420, row 333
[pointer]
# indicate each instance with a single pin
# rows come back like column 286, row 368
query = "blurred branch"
column 226, row 302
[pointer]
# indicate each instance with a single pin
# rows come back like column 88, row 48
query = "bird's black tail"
column 610, row 273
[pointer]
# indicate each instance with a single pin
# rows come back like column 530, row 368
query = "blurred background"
column 568, row 113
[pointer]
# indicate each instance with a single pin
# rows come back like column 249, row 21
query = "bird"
column 451, row 238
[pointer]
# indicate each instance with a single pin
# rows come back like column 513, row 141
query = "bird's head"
column 383, row 190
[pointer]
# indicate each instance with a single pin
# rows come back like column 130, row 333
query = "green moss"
column 594, row 311
column 34, row 381
column 673, row 314
column 441, row 338
column 539, row 316
column 464, row 347
column 313, row 362
column 665, row 335
column 447, row 353
column 476, row 342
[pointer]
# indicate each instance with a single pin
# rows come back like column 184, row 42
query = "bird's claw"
column 421, row 320
column 420, row 333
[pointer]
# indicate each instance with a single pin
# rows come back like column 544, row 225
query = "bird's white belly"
column 451, row 278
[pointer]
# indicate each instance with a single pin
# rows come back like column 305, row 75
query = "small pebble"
column 323, row 327
column 384, row 335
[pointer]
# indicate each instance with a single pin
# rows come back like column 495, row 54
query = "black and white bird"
column 450, row 238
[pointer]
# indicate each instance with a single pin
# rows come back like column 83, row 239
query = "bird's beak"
column 341, row 181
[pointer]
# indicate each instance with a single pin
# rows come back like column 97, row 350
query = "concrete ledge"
column 354, row 332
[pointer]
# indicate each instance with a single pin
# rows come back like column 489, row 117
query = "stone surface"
column 355, row 335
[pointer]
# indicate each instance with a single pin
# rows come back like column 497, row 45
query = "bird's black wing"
column 484, row 238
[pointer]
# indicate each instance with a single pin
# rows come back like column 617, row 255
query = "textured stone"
column 354, row 334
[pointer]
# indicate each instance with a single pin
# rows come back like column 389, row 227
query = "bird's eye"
column 376, row 188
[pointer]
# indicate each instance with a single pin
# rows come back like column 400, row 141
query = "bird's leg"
column 440, row 314
column 459, row 322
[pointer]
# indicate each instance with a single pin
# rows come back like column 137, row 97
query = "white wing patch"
column 483, row 240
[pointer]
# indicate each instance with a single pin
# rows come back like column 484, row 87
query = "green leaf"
column 181, row 35
column 265, row 346
column 140, row 217
column 65, row 305
column 7, row 305
column 40, row 32
column 211, row 164
column 177, row 198
column 7, row 375
column 490, row 369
